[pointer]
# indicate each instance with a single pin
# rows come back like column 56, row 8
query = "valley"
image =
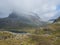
column 15, row 31
column 49, row 35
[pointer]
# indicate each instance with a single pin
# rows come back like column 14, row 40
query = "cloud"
column 44, row 8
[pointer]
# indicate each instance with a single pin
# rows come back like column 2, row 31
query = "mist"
column 44, row 8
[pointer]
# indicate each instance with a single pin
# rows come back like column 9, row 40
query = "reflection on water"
column 15, row 31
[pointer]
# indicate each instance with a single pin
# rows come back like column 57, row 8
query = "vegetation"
column 47, row 35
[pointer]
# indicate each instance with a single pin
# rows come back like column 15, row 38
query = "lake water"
column 14, row 31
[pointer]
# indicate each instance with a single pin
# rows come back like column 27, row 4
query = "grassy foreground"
column 49, row 35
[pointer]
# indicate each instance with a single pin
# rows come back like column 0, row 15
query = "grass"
column 49, row 35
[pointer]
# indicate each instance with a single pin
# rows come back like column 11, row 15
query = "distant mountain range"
column 57, row 20
column 15, row 20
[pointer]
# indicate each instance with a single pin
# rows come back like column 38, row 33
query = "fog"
column 44, row 8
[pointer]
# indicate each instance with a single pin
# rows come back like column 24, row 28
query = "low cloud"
column 44, row 8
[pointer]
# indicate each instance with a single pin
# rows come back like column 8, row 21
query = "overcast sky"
column 44, row 8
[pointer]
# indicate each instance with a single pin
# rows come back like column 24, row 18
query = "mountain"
column 57, row 20
column 25, row 18
column 51, row 19
column 56, row 15
column 15, row 20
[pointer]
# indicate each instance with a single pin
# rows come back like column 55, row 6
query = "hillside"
column 15, row 20
column 57, row 20
column 49, row 35
column 12, row 34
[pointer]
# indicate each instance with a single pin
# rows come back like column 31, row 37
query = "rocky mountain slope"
column 57, row 20
column 15, row 20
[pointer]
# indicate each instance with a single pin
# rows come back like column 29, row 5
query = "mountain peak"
column 13, row 15
column 20, row 20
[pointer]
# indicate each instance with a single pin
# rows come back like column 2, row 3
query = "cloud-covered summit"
column 44, row 8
